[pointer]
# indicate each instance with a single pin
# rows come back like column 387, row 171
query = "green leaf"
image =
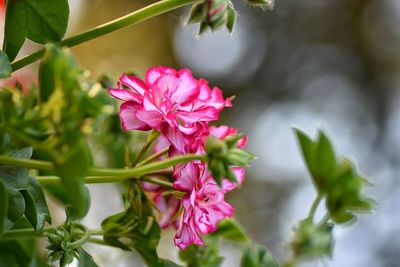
column 20, row 253
column 326, row 159
column 308, row 149
column 14, row 177
column 5, row 66
column 86, row 260
column 345, row 196
column 3, row 206
column 312, row 241
column 231, row 21
column 230, row 229
column 258, row 256
column 202, row 256
column 198, row 13
column 36, row 210
column 72, row 170
column 40, row 21
column 57, row 69
column 135, row 228
column 16, row 207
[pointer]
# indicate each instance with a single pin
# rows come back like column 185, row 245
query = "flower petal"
column 129, row 119
column 125, row 95
column 134, row 83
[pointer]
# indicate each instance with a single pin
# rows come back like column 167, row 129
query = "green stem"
column 150, row 139
column 153, row 157
column 84, row 239
column 21, row 234
column 324, row 220
column 96, row 172
column 314, row 207
column 148, row 168
column 28, row 163
column 49, row 180
column 155, row 180
column 140, row 15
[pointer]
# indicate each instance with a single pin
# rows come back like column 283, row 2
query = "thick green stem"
column 127, row 20
column 98, row 175
column 28, row 163
column 21, row 234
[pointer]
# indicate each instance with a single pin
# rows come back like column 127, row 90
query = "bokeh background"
column 326, row 64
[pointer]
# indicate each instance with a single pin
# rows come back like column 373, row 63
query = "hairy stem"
column 114, row 25
column 99, row 175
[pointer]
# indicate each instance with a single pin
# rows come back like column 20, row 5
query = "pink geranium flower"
column 203, row 206
column 169, row 101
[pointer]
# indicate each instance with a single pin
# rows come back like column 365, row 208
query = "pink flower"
column 169, row 101
column 203, row 206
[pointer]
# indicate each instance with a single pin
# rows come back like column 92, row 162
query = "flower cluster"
column 181, row 108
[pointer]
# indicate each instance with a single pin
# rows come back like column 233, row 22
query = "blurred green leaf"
column 231, row 230
column 326, row 159
column 5, row 66
column 36, row 210
column 20, row 253
column 258, row 256
column 57, row 70
column 72, row 170
column 3, row 205
column 346, row 194
column 311, row 241
column 202, row 256
column 86, row 260
column 39, row 21
column 135, row 228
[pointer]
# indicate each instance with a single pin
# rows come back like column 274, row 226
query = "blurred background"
column 326, row 64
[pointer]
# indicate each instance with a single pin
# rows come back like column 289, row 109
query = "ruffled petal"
column 152, row 118
column 125, row 95
column 134, row 83
column 129, row 120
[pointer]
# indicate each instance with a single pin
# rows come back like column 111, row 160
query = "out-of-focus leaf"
column 5, row 66
column 230, row 229
column 58, row 70
column 72, row 170
column 3, row 206
column 258, row 256
column 20, row 253
column 36, row 210
column 346, row 194
column 39, row 21
column 135, row 228
column 326, row 159
column 311, row 241
column 86, row 260
column 202, row 256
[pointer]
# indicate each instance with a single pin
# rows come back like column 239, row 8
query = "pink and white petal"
column 186, row 90
column 154, row 73
column 129, row 119
column 125, row 95
column 202, row 114
column 168, row 214
column 134, row 83
column 163, row 87
column 187, row 178
column 176, row 138
column 152, row 118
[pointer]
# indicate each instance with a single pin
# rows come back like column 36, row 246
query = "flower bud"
column 262, row 3
column 213, row 14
